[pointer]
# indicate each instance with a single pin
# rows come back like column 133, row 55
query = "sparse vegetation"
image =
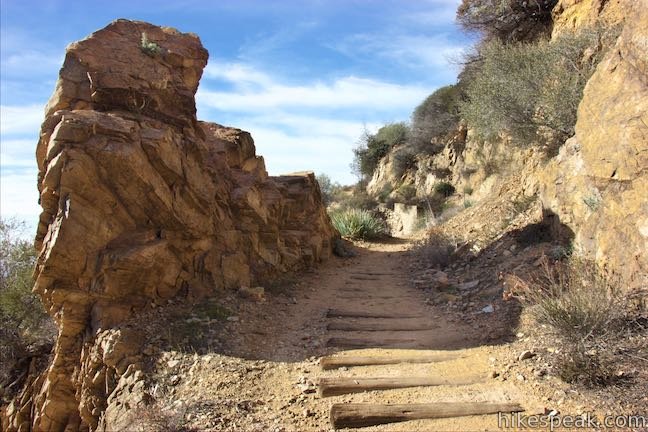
column 507, row 20
column 437, row 250
column 585, row 309
column 374, row 147
column 148, row 47
column 593, row 202
column 444, row 188
column 24, row 324
column 404, row 160
column 358, row 224
column 436, row 116
column 331, row 191
column 407, row 193
column 531, row 91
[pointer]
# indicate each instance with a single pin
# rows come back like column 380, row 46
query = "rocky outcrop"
column 143, row 204
column 598, row 184
column 571, row 15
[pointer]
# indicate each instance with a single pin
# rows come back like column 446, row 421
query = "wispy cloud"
column 255, row 91
column 21, row 119
column 298, row 126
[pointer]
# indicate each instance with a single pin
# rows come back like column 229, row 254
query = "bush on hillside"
column 436, row 116
column 585, row 309
column 507, row 20
column 23, row 321
column 444, row 188
column 374, row 147
column 358, row 224
column 404, row 160
column 330, row 190
column 530, row 91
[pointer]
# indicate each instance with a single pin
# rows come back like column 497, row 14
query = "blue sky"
column 304, row 77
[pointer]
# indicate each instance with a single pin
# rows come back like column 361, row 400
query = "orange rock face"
column 142, row 203
column 598, row 184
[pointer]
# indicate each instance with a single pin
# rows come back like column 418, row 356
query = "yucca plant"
column 358, row 224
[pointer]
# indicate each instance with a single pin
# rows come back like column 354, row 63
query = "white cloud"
column 19, row 196
column 307, row 126
column 21, row 119
column 17, row 153
column 433, row 53
column 238, row 73
column 343, row 93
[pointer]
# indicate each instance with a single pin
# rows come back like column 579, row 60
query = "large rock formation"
column 142, row 204
column 598, row 184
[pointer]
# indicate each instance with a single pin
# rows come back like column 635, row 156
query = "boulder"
column 143, row 204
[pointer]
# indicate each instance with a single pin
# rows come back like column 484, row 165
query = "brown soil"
column 259, row 370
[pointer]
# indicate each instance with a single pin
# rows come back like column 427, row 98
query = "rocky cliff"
column 143, row 205
column 598, row 184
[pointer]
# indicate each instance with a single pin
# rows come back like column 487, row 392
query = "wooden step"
column 337, row 313
column 367, row 278
column 360, row 342
column 379, row 326
column 343, row 385
column 367, row 273
column 356, row 415
column 334, row 362
column 369, row 296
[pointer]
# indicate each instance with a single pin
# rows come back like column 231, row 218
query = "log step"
column 373, row 297
column 359, row 342
column 379, row 326
column 343, row 385
column 334, row 362
column 336, row 313
column 356, row 415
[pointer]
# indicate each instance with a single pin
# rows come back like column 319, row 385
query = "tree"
column 436, row 116
column 374, row 147
column 23, row 321
column 328, row 188
column 507, row 20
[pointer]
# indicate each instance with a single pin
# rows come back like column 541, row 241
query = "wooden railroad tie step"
column 337, row 313
column 343, row 385
column 360, row 342
column 356, row 415
column 334, row 362
column 379, row 326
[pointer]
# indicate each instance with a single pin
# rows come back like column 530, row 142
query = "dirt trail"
column 360, row 306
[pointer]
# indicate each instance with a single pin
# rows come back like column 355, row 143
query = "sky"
column 306, row 78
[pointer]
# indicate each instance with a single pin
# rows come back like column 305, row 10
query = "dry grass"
column 438, row 249
column 587, row 312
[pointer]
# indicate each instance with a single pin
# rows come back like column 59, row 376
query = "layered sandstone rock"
column 143, row 204
column 598, row 184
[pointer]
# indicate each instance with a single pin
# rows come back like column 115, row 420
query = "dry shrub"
column 156, row 418
column 585, row 310
column 438, row 249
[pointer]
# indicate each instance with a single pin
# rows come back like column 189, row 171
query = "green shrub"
column 444, row 188
column 436, row 116
column 385, row 192
column 374, row 147
column 358, row 224
column 404, row 160
column 530, row 91
column 330, row 190
column 468, row 190
column 507, row 20
column 23, row 320
column 149, row 48
column 407, row 192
